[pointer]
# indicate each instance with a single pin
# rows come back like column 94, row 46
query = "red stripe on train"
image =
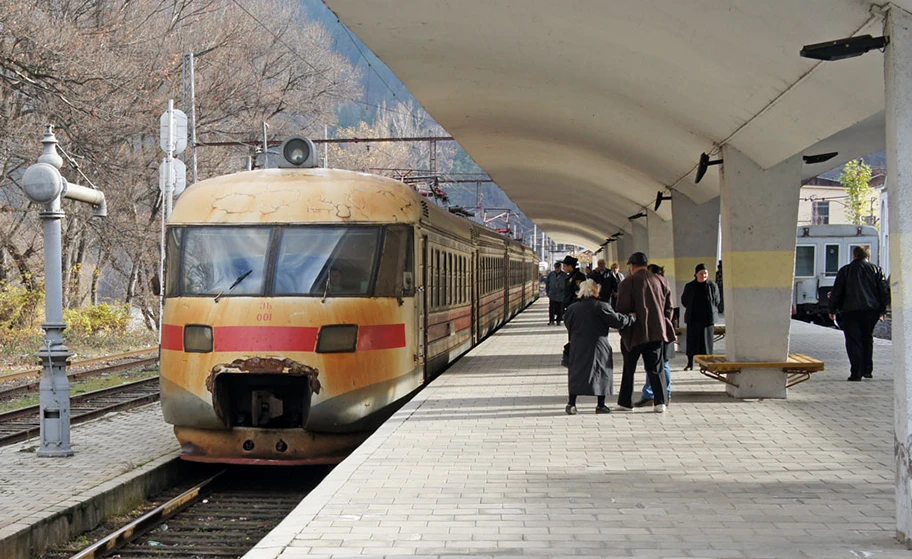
column 172, row 337
column 265, row 338
column 383, row 336
column 284, row 338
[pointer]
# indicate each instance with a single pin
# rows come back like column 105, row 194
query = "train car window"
column 172, row 262
column 226, row 261
column 396, row 268
column 804, row 261
column 326, row 261
column 831, row 265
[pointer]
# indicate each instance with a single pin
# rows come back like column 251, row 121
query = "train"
column 304, row 305
column 820, row 251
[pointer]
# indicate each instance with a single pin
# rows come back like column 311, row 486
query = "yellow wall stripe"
column 684, row 266
column 759, row 269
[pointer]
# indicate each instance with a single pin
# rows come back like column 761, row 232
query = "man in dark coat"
column 591, row 366
column 606, row 280
column 574, row 279
column 648, row 298
column 860, row 295
column 555, row 285
column 702, row 301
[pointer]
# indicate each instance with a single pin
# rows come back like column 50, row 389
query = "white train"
column 820, row 251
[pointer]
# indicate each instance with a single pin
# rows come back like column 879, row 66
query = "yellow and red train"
column 304, row 305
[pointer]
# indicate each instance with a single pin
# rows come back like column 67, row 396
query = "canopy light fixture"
column 637, row 216
column 840, row 49
column 820, row 157
column 704, row 164
column 659, row 199
column 609, row 241
column 616, row 235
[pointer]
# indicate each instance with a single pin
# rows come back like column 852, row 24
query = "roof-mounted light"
column 298, row 153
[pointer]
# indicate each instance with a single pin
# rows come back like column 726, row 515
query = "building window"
column 820, row 212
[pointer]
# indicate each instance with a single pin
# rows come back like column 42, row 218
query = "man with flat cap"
column 574, row 279
column 647, row 296
column 702, row 300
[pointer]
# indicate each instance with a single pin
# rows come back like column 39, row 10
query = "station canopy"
column 583, row 110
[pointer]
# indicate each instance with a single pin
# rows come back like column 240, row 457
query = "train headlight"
column 298, row 152
column 338, row 338
column 197, row 338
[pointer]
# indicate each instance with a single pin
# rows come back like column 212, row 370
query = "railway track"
column 130, row 363
column 23, row 423
column 223, row 517
column 84, row 363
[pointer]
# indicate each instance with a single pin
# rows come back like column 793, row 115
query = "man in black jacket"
column 574, row 279
column 606, row 280
column 860, row 295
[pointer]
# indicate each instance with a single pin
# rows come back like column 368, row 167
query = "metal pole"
column 265, row 146
column 326, row 147
column 193, row 115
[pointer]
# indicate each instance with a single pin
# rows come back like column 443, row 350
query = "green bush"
column 20, row 309
column 96, row 319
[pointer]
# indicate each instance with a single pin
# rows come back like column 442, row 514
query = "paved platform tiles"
column 107, row 452
column 484, row 463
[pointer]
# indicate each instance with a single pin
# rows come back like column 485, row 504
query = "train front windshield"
column 315, row 261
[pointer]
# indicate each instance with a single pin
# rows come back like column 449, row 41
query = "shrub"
column 98, row 318
column 19, row 307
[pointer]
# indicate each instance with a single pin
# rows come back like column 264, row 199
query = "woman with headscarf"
column 701, row 301
column 591, row 369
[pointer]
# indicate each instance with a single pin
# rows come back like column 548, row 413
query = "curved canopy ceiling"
column 581, row 111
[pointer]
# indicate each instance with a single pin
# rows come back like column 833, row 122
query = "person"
column 648, row 297
column 555, row 284
column 701, row 303
column 618, row 278
column 860, row 297
column 606, row 281
column 646, row 395
column 587, row 271
column 591, row 366
column 574, row 279
column 719, row 285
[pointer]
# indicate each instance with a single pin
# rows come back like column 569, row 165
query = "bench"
column 718, row 332
column 798, row 367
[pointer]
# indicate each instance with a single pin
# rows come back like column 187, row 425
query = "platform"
column 115, row 459
column 484, row 463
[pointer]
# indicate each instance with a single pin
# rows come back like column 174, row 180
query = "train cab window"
column 172, row 262
column 330, row 261
column 226, row 261
column 395, row 276
column 831, row 266
column 804, row 261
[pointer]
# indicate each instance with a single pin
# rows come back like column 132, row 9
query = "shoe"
column 659, row 408
column 571, row 410
column 550, row 323
column 602, row 409
column 642, row 403
column 621, row 408
column 854, row 379
column 867, row 375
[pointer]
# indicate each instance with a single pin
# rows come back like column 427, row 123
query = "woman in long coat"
column 701, row 301
column 591, row 368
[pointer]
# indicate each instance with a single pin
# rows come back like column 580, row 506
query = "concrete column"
column 611, row 254
column 898, row 77
column 759, row 217
column 661, row 248
column 639, row 237
column 696, row 237
column 624, row 250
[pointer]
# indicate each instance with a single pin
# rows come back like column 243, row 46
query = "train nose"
column 264, row 393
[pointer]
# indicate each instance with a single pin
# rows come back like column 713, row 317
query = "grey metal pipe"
column 89, row 196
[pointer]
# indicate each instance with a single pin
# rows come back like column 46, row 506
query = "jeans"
column 647, row 389
column 858, row 329
column 652, row 354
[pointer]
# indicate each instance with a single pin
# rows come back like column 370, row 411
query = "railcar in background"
column 304, row 305
column 819, row 253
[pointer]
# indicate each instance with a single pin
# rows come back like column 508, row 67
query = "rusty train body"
column 304, row 305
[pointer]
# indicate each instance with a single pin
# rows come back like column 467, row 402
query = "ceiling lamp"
column 704, row 164
column 659, row 199
column 843, row 48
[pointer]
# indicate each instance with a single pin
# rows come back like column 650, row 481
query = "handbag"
column 565, row 357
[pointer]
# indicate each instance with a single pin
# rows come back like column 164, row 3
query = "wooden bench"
column 798, row 367
column 718, row 332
